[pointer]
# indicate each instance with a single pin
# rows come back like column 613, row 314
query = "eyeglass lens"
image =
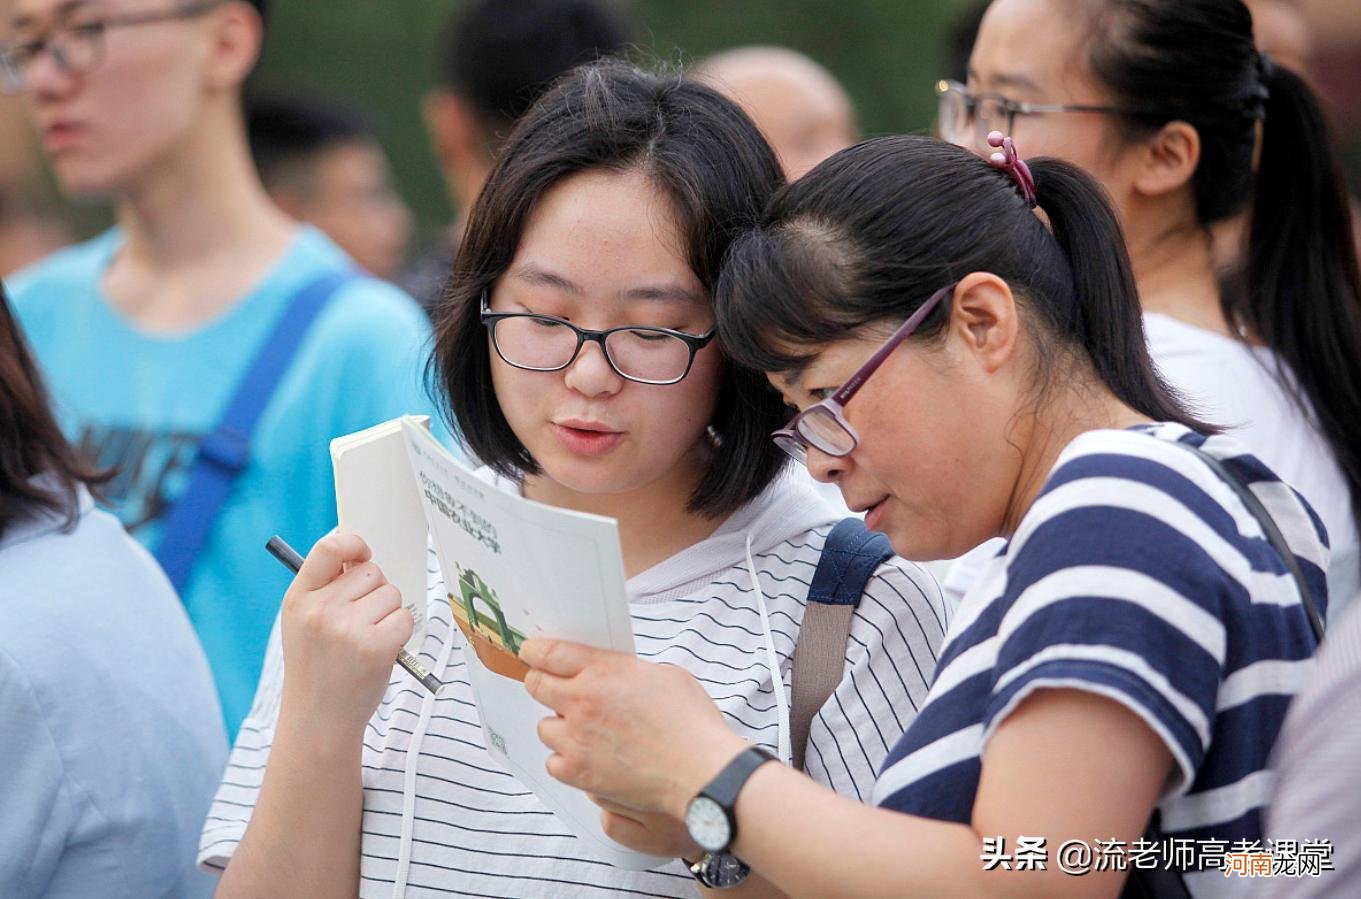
column 546, row 345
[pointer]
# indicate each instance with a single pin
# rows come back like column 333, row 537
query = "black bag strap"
column 849, row 558
column 1156, row 883
column 1272, row 532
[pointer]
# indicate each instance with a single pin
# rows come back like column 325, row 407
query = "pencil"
column 280, row 550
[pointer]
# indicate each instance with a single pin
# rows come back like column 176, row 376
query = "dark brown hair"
column 31, row 443
column 718, row 171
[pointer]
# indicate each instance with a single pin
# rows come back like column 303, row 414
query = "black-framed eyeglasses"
column 966, row 118
column 78, row 47
column 823, row 425
column 646, row 355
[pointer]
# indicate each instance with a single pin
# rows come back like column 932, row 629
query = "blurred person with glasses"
column 1187, row 126
column 146, row 332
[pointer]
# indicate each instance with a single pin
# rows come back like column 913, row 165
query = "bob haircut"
column 718, row 171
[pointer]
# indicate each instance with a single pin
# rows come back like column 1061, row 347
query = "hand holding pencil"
column 342, row 626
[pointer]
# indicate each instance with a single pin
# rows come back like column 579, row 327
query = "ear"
column 452, row 126
column 983, row 321
column 236, row 37
column 1168, row 160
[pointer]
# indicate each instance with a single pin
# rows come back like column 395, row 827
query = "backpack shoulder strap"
column 849, row 557
column 224, row 452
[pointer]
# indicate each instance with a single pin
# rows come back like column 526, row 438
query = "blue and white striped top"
column 1138, row 575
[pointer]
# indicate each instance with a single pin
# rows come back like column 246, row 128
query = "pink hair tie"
column 1010, row 162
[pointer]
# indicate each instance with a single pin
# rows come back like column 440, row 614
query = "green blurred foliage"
column 887, row 52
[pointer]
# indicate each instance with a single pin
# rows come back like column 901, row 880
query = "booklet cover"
column 514, row 568
column 377, row 499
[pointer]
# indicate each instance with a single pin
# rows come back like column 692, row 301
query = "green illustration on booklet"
column 496, row 643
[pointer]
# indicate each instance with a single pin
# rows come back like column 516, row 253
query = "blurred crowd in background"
column 355, row 117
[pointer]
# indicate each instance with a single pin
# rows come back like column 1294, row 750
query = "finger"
column 358, row 582
column 378, row 603
column 560, row 769
column 553, row 733
column 558, row 656
column 394, row 629
column 328, row 559
column 633, row 834
column 611, row 805
column 548, row 689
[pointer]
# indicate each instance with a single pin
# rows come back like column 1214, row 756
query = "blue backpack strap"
column 225, row 451
column 849, row 558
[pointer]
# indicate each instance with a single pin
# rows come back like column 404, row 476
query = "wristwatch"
column 719, row 870
column 709, row 818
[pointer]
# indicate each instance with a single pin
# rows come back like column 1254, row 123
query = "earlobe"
column 983, row 317
column 1169, row 160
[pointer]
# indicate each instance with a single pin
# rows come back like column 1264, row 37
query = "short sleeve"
column 891, row 653
column 1108, row 592
column 36, row 816
column 239, row 790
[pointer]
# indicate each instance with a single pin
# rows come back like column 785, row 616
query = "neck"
column 198, row 229
column 1056, row 423
column 1174, row 271
column 654, row 523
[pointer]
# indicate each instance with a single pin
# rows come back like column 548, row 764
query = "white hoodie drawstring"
column 772, row 662
column 413, row 754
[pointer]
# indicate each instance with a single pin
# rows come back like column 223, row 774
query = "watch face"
column 708, row 824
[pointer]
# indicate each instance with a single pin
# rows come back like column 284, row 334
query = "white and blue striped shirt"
column 1138, row 575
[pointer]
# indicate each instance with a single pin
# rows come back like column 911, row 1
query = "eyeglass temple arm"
column 904, row 331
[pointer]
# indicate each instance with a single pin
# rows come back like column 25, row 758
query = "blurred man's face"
column 350, row 197
column 110, row 98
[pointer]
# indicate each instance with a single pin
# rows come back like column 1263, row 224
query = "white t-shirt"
column 1236, row 386
column 1233, row 385
column 470, row 828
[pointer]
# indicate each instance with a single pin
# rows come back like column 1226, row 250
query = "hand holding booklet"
column 513, row 568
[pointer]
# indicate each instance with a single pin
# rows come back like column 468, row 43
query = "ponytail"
column 1108, row 319
column 1302, row 293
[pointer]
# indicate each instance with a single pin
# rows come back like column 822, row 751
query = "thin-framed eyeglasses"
column 966, row 118
column 823, row 424
column 646, row 355
column 78, row 47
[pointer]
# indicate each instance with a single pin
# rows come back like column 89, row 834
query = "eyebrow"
column 665, row 292
column 61, row 12
column 1007, row 79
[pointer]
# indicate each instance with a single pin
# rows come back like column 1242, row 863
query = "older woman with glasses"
column 576, row 348
column 1111, row 688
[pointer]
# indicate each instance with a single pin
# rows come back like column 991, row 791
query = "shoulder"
column 54, row 281
column 363, row 309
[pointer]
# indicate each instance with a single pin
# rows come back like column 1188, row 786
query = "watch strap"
column 724, row 788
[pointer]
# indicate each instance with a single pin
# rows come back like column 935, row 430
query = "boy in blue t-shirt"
column 145, row 332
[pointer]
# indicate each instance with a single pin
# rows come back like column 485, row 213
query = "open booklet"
column 512, row 568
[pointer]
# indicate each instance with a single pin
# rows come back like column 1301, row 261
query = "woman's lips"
column 61, row 136
column 874, row 514
column 588, row 440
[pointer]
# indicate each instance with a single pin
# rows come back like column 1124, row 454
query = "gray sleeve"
column 1318, row 762
column 36, row 816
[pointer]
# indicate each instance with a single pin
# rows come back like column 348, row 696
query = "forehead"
column 1030, row 43
column 600, row 228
